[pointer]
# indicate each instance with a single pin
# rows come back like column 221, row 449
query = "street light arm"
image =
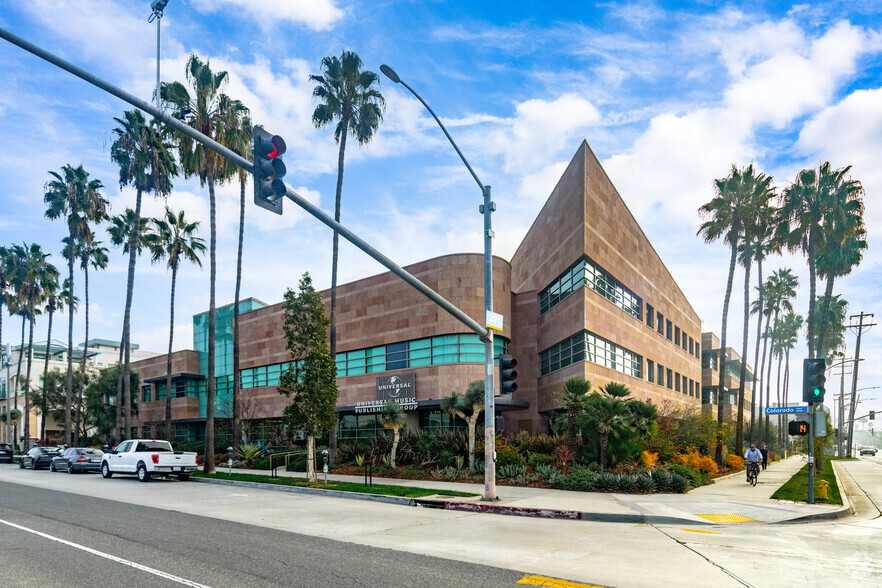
column 443, row 128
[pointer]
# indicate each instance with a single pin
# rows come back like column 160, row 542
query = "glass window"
column 660, row 323
column 670, row 378
column 677, row 336
column 660, row 380
column 650, row 370
column 396, row 356
column 691, row 346
column 588, row 346
column 668, row 329
column 145, row 393
column 180, row 388
column 677, row 382
column 650, row 316
column 585, row 273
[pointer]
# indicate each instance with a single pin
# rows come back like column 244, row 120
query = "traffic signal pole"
column 811, row 454
column 445, row 304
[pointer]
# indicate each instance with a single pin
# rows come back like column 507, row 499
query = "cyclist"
column 752, row 456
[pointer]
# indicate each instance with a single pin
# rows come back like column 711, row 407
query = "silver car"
column 77, row 459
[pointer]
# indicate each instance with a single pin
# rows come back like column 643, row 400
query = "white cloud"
column 319, row 15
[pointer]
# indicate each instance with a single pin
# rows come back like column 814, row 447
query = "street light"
column 486, row 209
column 157, row 6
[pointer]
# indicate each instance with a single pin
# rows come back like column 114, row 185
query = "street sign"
column 786, row 410
column 494, row 320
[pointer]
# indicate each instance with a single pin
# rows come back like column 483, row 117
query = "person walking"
column 765, row 454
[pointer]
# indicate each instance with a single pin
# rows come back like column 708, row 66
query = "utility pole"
column 858, row 329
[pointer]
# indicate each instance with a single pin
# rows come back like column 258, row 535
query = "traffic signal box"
column 798, row 428
column 269, row 169
column 507, row 374
column 813, row 379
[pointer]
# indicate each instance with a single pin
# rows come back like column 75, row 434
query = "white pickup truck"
column 145, row 457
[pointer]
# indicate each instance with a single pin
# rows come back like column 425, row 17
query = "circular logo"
column 396, row 384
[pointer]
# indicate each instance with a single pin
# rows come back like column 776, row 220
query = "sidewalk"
column 728, row 500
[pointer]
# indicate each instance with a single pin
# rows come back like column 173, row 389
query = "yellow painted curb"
column 553, row 582
column 726, row 518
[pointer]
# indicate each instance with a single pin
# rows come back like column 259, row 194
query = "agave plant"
column 359, row 460
column 606, row 481
column 249, row 452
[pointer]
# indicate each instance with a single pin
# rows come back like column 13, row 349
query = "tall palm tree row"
column 55, row 297
column 728, row 215
column 348, row 97
column 145, row 162
column 175, row 240
column 237, row 136
column 782, row 285
column 204, row 111
column 94, row 255
column 71, row 195
column 5, row 269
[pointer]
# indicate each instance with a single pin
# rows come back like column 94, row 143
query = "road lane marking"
column 553, row 582
column 125, row 562
column 700, row 531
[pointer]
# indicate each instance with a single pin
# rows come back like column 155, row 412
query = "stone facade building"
column 585, row 295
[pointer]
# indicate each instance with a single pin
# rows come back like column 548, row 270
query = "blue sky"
column 668, row 95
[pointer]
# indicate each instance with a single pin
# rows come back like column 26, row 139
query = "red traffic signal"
column 269, row 169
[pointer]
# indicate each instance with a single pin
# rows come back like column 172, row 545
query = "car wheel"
column 105, row 470
column 143, row 474
column 70, row 468
column 183, row 477
column 52, row 467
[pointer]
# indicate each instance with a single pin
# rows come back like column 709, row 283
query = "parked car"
column 77, row 459
column 6, row 452
column 145, row 458
column 38, row 457
column 868, row 451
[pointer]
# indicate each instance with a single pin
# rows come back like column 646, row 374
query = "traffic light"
column 507, row 374
column 813, row 379
column 872, row 415
column 797, row 428
column 269, row 189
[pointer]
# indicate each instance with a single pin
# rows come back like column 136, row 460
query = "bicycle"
column 752, row 473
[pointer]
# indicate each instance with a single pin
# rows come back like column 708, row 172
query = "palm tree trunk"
column 762, row 371
column 208, row 462
column 825, row 310
column 720, row 392
column 310, row 458
column 27, row 390
column 395, row 435
column 85, row 357
column 68, row 389
column 134, row 243
column 739, row 426
column 780, row 436
column 810, row 327
column 603, row 441
column 236, row 379
column 18, row 369
column 168, row 360
column 119, row 386
column 336, row 249
column 769, row 373
column 759, row 332
column 46, row 367
column 472, row 422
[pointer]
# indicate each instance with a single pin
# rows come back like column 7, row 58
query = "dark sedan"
column 77, row 459
column 38, row 457
column 6, row 452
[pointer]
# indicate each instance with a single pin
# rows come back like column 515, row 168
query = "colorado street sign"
column 786, row 410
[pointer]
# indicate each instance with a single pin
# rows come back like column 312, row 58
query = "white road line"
column 125, row 562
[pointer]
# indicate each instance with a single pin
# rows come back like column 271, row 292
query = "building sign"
column 399, row 387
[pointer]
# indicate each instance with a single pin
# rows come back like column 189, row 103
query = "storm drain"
column 726, row 518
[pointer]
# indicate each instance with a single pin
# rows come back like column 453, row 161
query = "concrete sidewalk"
column 728, row 500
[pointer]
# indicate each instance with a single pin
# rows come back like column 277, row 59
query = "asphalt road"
column 198, row 549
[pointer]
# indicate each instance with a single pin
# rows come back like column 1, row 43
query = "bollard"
column 230, row 461
column 823, row 486
column 325, row 468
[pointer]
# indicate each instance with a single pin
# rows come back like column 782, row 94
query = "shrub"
column 626, row 483
column 606, row 481
column 692, row 475
column 511, row 470
column 564, row 455
column 546, row 471
column 446, row 458
column 506, row 455
column 527, row 443
column 644, row 483
column 697, row 461
column 261, row 463
column 249, row 452
column 662, row 480
column 581, row 480
column 735, row 462
column 537, row 459
column 679, row 484
column 648, row 458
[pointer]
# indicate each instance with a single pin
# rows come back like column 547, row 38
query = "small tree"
column 573, row 400
column 393, row 417
column 468, row 407
column 311, row 381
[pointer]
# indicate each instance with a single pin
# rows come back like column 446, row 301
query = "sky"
column 668, row 95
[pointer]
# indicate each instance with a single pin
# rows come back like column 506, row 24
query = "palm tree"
column 573, row 399
column 174, row 239
column 393, row 417
column 348, row 97
column 120, row 230
column 607, row 416
column 782, row 285
column 760, row 250
column 728, row 216
column 5, row 270
column 31, row 272
column 75, row 197
column 54, row 302
column 468, row 407
column 91, row 254
column 833, row 323
column 237, row 136
column 204, row 112
column 754, row 247
column 145, row 162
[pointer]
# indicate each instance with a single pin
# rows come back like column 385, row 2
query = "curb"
column 399, row 500
column 846, row 510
